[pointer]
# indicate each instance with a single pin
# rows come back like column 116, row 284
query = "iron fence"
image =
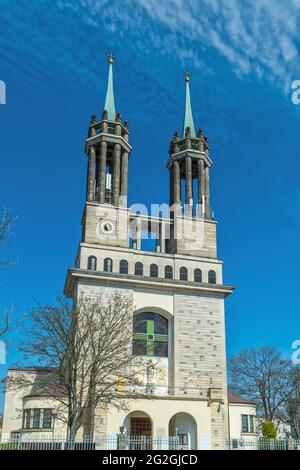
column 114, row 442
column 263, row 443
column 135, row 443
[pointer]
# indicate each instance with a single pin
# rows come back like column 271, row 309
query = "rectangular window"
column 36, row 418
column 251, row 419
column 245, row 427
column 47, row 418
column 26, row 419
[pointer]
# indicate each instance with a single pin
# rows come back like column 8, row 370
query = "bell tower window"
column 108, row 265
column 153, row 270
column 139, row 269
column 92, row 263
column 183, row 274
column 123, row 266
column 212, row 278
column 198, row 275
column 168, row 272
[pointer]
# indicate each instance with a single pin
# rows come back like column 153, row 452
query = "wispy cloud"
column 253, row 36
column 256, row 38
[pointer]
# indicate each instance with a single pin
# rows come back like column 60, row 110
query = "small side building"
column 242, row 419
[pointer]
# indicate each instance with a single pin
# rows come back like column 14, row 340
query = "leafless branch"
column 87, row 349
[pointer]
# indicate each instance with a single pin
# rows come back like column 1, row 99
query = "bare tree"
column 8, row 318
column 292, row 401
column 87, row 350
column 5, row 231
column 261, row 375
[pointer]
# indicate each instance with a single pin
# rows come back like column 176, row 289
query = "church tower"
column 189, row 162
column 194, row 230
column 108, row 151
column 177, row 288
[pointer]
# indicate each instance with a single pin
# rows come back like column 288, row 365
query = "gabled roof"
column 33, row 368
column 234, row 398
column 50, row 391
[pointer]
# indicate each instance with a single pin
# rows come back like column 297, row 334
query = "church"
column 177, row 288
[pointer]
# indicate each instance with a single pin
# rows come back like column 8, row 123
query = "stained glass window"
column 150, row 335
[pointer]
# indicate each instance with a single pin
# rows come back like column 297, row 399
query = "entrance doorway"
column 140, row 426
column 184, row 426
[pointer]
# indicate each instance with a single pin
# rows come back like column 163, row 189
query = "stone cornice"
column 132, row 281
column 106, row 137
column 171, row 256
column 197, row 154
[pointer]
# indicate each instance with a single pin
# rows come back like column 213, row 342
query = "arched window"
column 150, row 335
column 123, row 266
column 139, row 269
column 108, row 265
column 153, row 270
column 168, row 272
column 183, row 274
column 92, row 263
column 198, row 275
column 212, row 278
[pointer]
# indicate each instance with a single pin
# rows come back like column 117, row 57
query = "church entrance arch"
column 184, row 426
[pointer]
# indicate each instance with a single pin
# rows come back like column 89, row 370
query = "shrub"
column 269, row 430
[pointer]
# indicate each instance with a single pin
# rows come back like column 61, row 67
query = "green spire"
column 109, row 105
column 188, row 116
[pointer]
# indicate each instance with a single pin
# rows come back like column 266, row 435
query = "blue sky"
column 242, row 58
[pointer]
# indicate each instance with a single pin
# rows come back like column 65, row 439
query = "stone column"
column 188, row 182
column 176, row 182
column 162, row 236
column 102, row 171
column 124, row 179
column 91, row 173
column 138, row 234
column 104, row 126
column 171, row 186
column 116, row 176
column 207, row 194
column 118, row 129
column 201, row 192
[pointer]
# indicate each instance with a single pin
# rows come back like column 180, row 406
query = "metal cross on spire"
column 188, row 116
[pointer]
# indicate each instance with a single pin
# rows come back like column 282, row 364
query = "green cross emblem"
column 150, row 337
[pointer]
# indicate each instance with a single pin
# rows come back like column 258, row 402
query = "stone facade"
column 194, row 237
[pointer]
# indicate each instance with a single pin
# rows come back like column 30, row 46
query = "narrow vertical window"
column 47, row 418
column 245, row 427
column 212, row 278
column 139, row 269
column 183, row 274
column 168, row 272
column 108, row 265
column 27, row 419
column 36, row 418
column 92, row 263
column 153, row 270
column 251, row 419
column 123, row 266
column 198, row 275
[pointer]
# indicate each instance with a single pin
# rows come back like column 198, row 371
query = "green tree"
column 269, row 430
